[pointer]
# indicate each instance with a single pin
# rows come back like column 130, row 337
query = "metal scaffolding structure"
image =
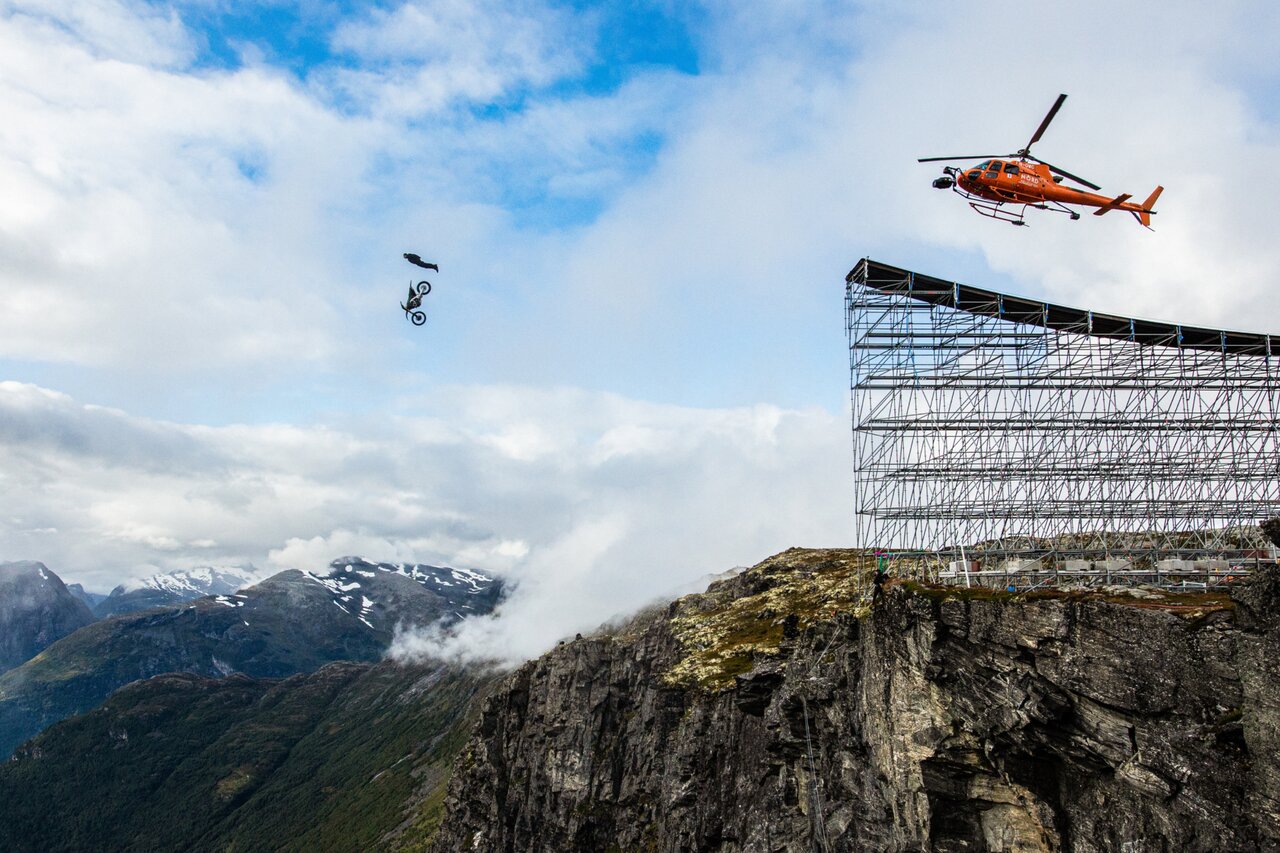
column 1012, row 427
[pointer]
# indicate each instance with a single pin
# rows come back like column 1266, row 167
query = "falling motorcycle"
column 412, row 308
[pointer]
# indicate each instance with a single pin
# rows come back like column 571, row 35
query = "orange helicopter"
column 1030, row 182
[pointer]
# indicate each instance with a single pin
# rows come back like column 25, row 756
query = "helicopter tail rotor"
column 1145, row 216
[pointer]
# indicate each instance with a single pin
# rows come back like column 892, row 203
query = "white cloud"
column 629, row 501
column 133, row 32
column 787, row 166
column 420, row 56
column 181, row 222
column 133, row 239
column 1152, row 100
column 240, row 227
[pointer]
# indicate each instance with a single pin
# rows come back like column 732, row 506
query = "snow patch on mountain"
column 475, row 582
column 349, row 578
column 200, row 581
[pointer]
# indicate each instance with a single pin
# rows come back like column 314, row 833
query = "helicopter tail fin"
column 1145, row 215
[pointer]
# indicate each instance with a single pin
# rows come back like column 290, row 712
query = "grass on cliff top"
column 723, row 633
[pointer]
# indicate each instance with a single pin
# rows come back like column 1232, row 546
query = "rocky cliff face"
column 784, row 711
column 36, row 609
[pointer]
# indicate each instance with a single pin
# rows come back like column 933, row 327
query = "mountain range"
column 794, row 706
column 174, row 587
column 293, row 622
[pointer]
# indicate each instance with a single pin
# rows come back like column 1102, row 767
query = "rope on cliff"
column 817, row 824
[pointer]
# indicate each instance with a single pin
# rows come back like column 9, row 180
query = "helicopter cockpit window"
column 984, row 164
column 1010, row 169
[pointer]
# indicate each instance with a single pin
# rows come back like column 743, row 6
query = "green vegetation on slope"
column 353, row 757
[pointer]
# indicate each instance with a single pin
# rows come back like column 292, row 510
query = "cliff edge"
column 786, row 710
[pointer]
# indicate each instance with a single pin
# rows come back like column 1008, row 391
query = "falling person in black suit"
column 417, row 261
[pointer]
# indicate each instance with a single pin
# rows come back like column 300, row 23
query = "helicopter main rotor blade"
column 969, row 157
column 1064, row 173
column 1053, row 111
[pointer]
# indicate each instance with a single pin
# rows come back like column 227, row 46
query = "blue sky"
column 633, row 370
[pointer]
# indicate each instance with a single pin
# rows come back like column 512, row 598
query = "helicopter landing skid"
column 995, row 210
column 1057, row 207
